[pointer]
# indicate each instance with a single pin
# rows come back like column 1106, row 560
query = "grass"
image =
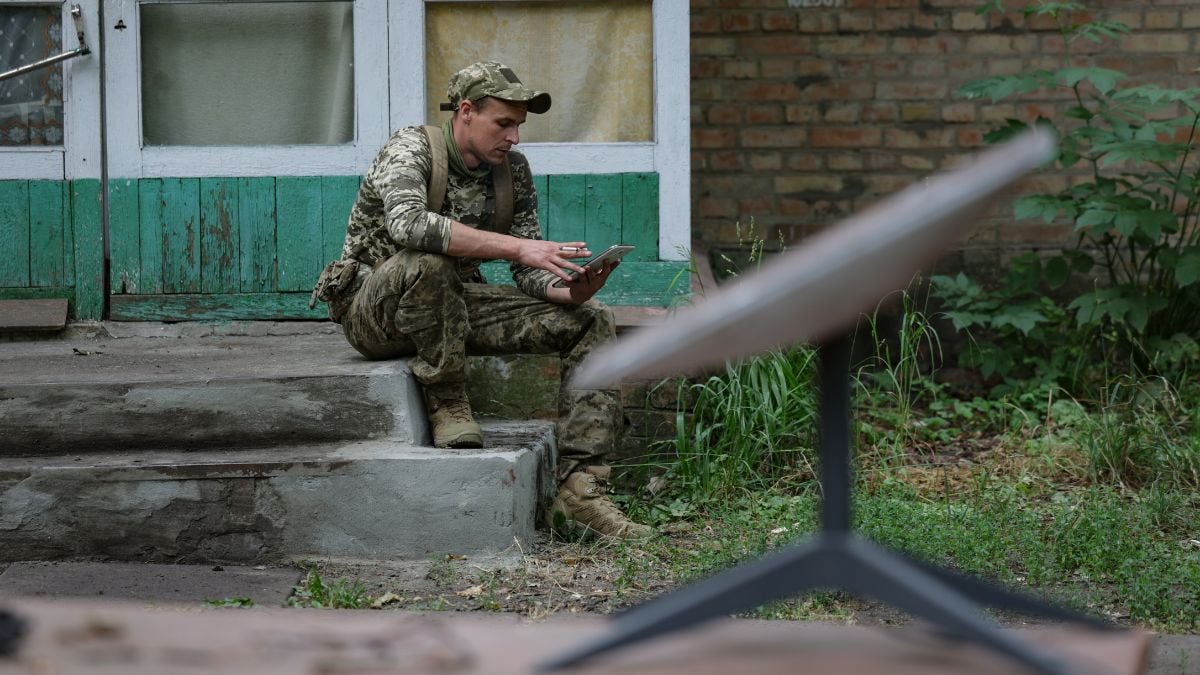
column 342, row 593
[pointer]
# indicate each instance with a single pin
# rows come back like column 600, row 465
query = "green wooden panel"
column 567, row 208
column 46, row 293
column 181, row 235
column 337, row 198
column 124, row 237
column 150, row 241
column 298, row 239
column 602, row 215
column 220, row 307
column 88, row 237
column 639, row 214
column 540, row 185
column 256, row 221
column 219, row 236
column 48, row 226
column 14, row 233
column 640, row 283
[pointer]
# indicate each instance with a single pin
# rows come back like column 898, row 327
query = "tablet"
column 614, row 252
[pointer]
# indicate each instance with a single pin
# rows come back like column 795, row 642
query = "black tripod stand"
column 837, row 558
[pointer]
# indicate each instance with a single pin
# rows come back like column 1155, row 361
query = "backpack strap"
column 502, row 182
column 441, row 167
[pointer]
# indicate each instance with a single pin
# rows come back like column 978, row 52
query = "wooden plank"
column 219, row 237
column 298, row 239
column 639, row 214
column 541, row 185
column 602, row 215
column 150, row 241
column 256, row 221
column 37, row 293
column 124, row 237
column 223, row 307
column 641, row 283
column 47, row 232
column 567, row 208
column 181, row 234
column 87, row 227
column 14, row 233
column 337, row 198
column 33, row 315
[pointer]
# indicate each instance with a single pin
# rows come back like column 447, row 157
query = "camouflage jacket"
column 394, row 191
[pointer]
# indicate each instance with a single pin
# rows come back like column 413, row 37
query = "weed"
column 340, row 594
column 239, row 602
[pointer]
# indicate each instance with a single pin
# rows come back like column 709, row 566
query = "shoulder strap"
column 441, row 167
column 502, row 182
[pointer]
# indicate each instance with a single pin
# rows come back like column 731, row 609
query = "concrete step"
column 226, row 391
column 370, row 499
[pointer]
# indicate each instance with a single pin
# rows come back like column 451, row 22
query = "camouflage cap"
column 489, row 78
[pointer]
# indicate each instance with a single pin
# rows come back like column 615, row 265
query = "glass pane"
column 595, row 58
column 31, row 106
column 261, row 73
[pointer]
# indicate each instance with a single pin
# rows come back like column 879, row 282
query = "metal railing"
column 81, row 50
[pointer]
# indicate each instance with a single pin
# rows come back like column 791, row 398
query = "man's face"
column 491, row 131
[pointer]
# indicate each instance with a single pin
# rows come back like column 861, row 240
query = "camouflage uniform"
column 418, row 302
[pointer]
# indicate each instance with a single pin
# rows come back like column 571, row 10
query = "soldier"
column 434, row 204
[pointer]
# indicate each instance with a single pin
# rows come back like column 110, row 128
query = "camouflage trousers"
column 414, row 305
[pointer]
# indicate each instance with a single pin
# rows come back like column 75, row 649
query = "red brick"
column 969, row 138
column 797, row 113
column 845, row 137
column 779, row 21
column 713, row 207
column 885, row 184
column 779, row 137
column 839, row 91
column 739, row 22
column 777, row 44
column 709, row 90
column 714, row 46
column 959, row 112
column 928, row 68
column 997, row 112
column 855, row 22
column 713, row 138
column 934, row 44
column 917, row 162
column 1001, row 44
column 919, row 112
column 814, row 22
column 857, row 45
column 726, row 161
column 880, row 112
column 725, row 113
column 756, row 206
column 705, row 68
column 794, row 207
column 855, row 69
column 705, row 23
column 844, row 113
column 845, row 162
column 764, row 114
column 893, row 20
column 804, row 161
column 896, row 137
column 968, row 21
column 888, row 67
column 740, row 70
column 766, row 161
column 1162, row 19
column 881, row 160
column 699, row 161
column 1190, row 19
column 931, row 21
column 777, row 68
column 1158, row 42
column 910, row 90
column 1006, row 66
column 808, row 183
column 768, row 91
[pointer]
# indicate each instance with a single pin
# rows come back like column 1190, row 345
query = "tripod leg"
column 894, row 580
column 812, row 565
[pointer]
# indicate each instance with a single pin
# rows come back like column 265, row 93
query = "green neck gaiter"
column 457, row 165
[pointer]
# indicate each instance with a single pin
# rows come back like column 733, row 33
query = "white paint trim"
column 28, row 163
column 210, row 161
column 672, row 122
column 559, row 158
column 128, row 159
column 406, row 46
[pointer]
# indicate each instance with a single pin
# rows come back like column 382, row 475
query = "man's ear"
column 465, row 110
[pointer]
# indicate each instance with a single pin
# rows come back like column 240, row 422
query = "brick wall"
column 803, row 114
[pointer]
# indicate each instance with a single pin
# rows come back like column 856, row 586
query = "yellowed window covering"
column 594, row 57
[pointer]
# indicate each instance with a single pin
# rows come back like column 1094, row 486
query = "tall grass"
column 752, row 426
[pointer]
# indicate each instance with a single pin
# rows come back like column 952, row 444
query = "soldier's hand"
column 553, row 256
column 590, row 282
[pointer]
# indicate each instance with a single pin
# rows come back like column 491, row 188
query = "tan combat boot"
column 582, row 506
column 450, row 417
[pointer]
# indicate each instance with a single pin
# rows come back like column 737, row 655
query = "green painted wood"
column 540, row 186
column 222, row 307
column 565, row 213
column 150, row 240
column 337, row 198
column 88, row 238
column 298, row 239
column 602, row 211
column 45, row 293
column 14, row 233
column 220, row 239
column 639, row 214
column 181, row 235
column 48, row 226
column 124, row 237
column 256, row 221
column 638, row 283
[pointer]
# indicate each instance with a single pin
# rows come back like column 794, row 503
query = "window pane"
column 595, row 58
column 265, row 73
column 31, row 106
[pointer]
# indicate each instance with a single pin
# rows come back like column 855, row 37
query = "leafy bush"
column 1135, row 209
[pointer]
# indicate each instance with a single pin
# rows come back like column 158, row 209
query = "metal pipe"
column 81, row 50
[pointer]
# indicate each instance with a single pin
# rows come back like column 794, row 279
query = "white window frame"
column 669, row 153
column 128, row 158
column 79, row 155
